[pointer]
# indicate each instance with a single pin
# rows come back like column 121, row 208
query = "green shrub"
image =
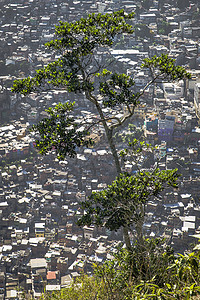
column 153, row 272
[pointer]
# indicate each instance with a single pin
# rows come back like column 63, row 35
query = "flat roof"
column 38, row 263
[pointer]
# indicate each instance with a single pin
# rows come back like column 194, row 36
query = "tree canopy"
column 83, row 68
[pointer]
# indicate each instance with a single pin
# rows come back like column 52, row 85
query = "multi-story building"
column 166, row 128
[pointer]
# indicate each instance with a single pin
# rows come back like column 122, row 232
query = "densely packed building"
column 40, row 243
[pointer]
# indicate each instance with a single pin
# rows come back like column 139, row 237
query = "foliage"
column 128, row 136
column 117, row 89
column 80, row 70
column 166, row 67
column 83, row 288
column 60, row 131
column 119, row 204
column 137, row 266
column 156, row 273
column 122, row 203
column 75, row 41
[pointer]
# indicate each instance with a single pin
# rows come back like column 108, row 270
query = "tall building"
column 166, row 128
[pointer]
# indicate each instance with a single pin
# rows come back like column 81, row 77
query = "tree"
column 123, row 202
column 83, row 68
column 126, row 137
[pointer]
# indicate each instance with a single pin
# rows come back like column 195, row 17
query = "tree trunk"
column 109, row 135
column 139, row 227
column 127, row 239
